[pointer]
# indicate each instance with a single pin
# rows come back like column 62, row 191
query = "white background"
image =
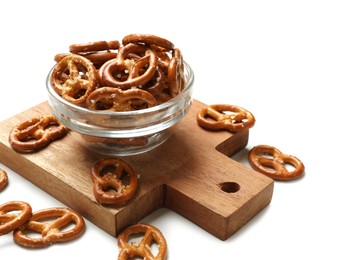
column 285, row 61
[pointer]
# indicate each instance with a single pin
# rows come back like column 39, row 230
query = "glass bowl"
column 123, row 133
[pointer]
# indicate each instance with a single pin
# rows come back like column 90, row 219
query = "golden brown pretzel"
column 74, row 77
column 109, row 184
column 142, row 249
column 176, row 73
column 97, row 58
column 36, row 133
column 229, row 117
column 148, row 39
column 3, row 179
column 51, row 232
column 20, row 213
column 94, row 46
column 272, row 162
column 114, row 99
column 115, row 72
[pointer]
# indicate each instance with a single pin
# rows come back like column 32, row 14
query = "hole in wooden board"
column 229, row 187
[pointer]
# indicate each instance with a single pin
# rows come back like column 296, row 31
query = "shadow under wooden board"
column 191, row 173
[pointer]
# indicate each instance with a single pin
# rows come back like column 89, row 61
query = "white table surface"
column 285, row 61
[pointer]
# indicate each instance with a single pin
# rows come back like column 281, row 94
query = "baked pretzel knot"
column 12, row 215
column 36, row 133
column 116, row 72
column 272, row 162
column 52, row 231
column 229, row 117
column 114, row 181
column 3, row 179
column 74, row 77
column 143, row 249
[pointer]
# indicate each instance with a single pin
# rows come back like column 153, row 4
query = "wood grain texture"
column 191, row 173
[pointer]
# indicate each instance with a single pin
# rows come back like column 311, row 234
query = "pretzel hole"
column 123, row 177
column 289, row 167
column 71, row 225
column 228, row 113
column 79, row 93
column 48, row 220
column 31, row 233
column 135, row 239
column 242, row 120
column 107, row 170
column 52, row 126
column 12, row 213
column 265, row 155
column 29, row 139
column 76, row 93
column 154, row 81
column 83, row 75
column 120, row 75
column 142, row 70
column 154, row 248
column 104, row 104
column 229, row 187
column 82, row 71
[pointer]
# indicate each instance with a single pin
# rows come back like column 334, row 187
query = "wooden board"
column 191, row 173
